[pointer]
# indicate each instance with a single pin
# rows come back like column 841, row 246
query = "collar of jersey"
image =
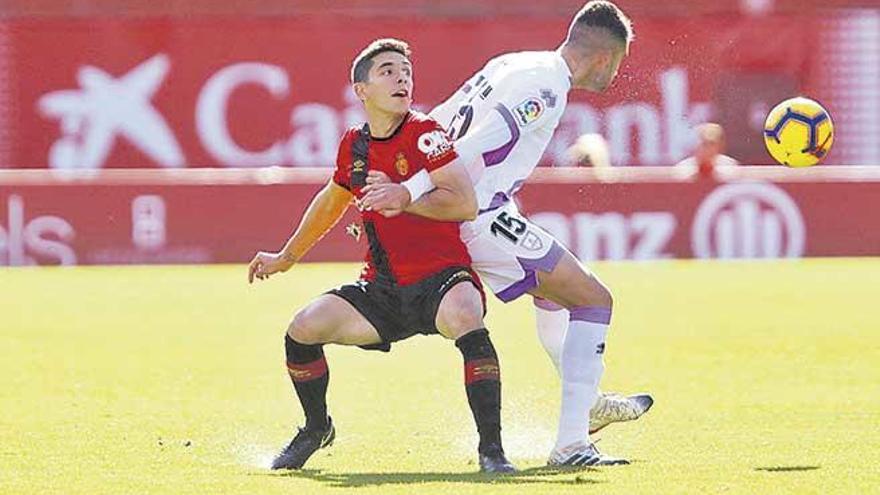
column 563, row 66
column 396, row 130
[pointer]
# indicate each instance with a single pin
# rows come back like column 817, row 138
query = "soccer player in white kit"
column 502, row 120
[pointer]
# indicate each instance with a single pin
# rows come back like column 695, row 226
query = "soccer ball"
column 798, row 132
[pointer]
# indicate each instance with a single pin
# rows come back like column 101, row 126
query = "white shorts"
column 507, row 251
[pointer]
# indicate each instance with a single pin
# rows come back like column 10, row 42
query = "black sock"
column 482, row 379
column 308, row 372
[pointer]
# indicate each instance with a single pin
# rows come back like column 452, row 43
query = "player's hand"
column 377, row 177
column 265, row 264
column 385, row 196
column 390, row 213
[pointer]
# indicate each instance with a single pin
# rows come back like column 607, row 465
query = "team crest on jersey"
column 401, row 165
column 532, row 241
column 434, row 144
column 358, row 166
column 529, row 111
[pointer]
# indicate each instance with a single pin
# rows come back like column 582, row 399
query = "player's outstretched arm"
column 450, row 194
column 325, row 210
column 453, row 197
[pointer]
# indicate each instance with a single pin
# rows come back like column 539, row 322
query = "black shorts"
column 399, row 312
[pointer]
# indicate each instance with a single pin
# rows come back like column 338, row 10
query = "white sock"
column 582, row 368
column 551, row 321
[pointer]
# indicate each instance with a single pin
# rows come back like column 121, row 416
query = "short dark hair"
column 362, row 64
column 604, row 14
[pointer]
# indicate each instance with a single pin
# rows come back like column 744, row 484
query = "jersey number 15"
column 508, row 227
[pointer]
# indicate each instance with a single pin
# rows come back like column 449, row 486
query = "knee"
column 595, row 294
column 460, row 312
column 461, row 318
column 304, row 329
column 604, row 298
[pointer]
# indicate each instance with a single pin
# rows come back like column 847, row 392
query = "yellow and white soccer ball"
column 798, row 132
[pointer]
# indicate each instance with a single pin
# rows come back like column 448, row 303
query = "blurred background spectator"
column 589, row 150
column 708, row 156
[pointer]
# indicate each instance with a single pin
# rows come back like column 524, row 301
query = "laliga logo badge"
column 529, row 111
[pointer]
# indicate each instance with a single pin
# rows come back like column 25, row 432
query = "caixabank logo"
column 180, row 109
column 104, row 109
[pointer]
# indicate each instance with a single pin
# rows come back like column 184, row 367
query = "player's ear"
column 360, row 90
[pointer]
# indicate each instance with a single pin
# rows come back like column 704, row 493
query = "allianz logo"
column 739, row 220
column 749, row 220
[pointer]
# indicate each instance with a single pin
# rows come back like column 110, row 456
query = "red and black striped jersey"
column 406, row 248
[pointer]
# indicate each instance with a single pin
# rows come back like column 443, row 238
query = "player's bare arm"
column 452, row 199
column 325, row 210
column 384, row 196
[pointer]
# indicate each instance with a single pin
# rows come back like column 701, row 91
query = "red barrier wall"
column 196, row 216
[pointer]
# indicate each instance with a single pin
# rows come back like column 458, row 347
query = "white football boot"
column 582, row 454
column 617, row 408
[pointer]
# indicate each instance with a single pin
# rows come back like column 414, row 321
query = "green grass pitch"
column 170, row 380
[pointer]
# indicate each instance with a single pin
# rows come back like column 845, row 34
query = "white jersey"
column 502, row 120
column 504, row 117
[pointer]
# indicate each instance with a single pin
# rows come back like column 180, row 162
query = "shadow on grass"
column 787, row 469
column 538, row 475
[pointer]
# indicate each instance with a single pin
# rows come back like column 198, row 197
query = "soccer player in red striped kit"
column 401, row 291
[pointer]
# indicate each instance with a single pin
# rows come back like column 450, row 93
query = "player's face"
column 389, row 85
column 603, row 68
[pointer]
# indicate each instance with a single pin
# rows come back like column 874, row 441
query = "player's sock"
column 308, row 372
column 582, row 368
column 551, row 321
column 482, row 379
